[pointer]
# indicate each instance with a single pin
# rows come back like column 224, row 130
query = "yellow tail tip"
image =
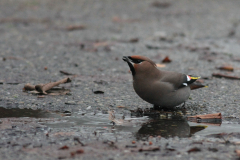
column 195, row 77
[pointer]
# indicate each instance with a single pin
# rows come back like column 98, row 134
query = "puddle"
column 164, row 125
column 17, row 112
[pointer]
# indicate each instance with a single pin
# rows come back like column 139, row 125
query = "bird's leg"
column 183, row 106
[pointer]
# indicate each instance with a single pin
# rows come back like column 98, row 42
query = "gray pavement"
column 35, row 44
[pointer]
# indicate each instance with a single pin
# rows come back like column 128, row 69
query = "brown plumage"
column 160, row 88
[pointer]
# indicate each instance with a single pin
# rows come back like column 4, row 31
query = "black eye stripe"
column 136, row 60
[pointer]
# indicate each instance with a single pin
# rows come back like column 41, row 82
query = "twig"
column 42, row 88
column 29, row 87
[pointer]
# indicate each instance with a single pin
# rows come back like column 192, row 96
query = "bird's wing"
column 178, row 80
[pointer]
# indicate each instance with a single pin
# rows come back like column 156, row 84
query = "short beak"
column 126, row 59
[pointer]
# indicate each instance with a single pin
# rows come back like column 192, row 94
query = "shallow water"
column 141, row 127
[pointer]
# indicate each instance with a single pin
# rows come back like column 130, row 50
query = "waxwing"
column 163, row 89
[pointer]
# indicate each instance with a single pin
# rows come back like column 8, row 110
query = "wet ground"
column 38, row 39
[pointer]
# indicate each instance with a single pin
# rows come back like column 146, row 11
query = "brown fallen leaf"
column 42, row 88
column 120, row 106
column 28, row 87
column 238, row 152
column 197, row 85
column 121, row 20
column 64, row 147
column 195, row 149
column 219, row 75
column 166, row 60
column 160, row 65
column 206, row 118
column 79, row 151
column 227, row 68
column 101, row 44
column 45, row 68
column 75, row 27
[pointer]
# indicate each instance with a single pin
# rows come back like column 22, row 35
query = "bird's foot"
column 183, row 106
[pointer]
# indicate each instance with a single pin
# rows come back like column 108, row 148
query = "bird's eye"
column 137, row 61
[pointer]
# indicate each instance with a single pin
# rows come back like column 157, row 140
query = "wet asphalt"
column 37, row 42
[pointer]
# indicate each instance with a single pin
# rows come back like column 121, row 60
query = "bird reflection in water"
column 167, row 124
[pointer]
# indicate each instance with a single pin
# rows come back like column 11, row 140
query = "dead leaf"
column 120, row 106
column 208, row 116
column 45, row 68
column 219, row 75
column 121, row 20
column 197, row 85
column 166, row 60
column 161, row 4
column 79, row 151
column 75, row 27
column 28, row 87
column 195, row 149
column 64, row 147
column 160, row 65
column 227, row 68
column 215, row 119
column 238, row 152
column 101, row 44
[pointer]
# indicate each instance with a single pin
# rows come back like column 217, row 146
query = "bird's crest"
column 137, row 57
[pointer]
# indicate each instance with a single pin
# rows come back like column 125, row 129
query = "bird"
column 163, row 89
